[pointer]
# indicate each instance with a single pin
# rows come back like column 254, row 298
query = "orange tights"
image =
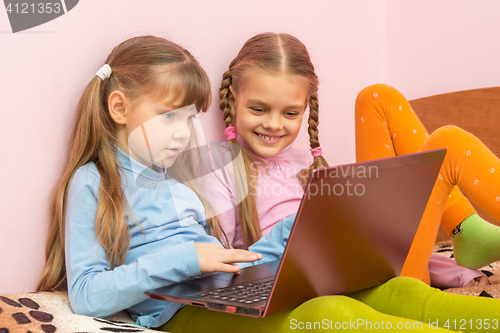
column 387, row 126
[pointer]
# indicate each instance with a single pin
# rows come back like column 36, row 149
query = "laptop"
column 353, row 230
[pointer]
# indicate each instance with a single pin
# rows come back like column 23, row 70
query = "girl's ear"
column 117, row 106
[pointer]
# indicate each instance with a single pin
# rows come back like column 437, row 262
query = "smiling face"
column 269, row 110
column 157, row 131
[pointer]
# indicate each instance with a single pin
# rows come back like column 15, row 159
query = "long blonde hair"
column 271, row 53
column 141, row 66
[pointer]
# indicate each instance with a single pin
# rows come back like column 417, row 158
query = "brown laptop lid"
column 365, row 217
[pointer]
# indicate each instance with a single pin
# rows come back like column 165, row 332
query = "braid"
column 318, row 162
column 225, row 95
column 245, row 192
column 313, row 120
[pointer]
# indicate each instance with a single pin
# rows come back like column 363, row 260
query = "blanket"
column 48, row 312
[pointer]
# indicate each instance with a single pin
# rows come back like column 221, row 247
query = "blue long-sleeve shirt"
column 161, row 252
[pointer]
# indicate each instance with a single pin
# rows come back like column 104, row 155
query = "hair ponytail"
column 91, row 142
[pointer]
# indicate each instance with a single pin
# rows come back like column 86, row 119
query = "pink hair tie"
column 316, row 152
column 230, row 133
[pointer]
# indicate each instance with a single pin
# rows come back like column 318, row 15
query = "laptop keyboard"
column 247, row 293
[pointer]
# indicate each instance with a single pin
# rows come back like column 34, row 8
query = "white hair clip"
column 104, row 72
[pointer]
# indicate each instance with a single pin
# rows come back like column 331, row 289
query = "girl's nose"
column 273, row 122
column 182, row 130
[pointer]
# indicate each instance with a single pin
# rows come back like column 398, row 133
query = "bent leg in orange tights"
column 387, row 126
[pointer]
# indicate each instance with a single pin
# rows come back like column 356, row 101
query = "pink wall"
column 434, row 47
column 425, row 49
column 44, row 70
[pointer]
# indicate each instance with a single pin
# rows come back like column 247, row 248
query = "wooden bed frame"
column 477, row 111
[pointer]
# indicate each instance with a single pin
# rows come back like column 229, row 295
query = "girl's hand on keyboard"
column 214, row 258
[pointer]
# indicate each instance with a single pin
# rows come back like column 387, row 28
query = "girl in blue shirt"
column 120, row 226
column 126, row 218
